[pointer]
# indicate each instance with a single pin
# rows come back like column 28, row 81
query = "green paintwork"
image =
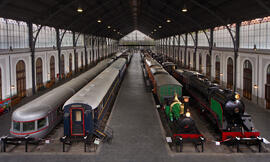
column 216, row 107
column 167, row 110
column 168, row 91
column 175, row 114
column 176, row 111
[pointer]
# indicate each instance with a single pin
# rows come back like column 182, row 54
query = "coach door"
column 267, row 88
column 77, row 122
column 247, row 90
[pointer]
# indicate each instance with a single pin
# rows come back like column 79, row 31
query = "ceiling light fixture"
column 159, row 26
column 155, row 30
column 184, row 9
column 114, row 30
column 99, row 21
column 109, row 27
column 79, row 9
column 168, row 21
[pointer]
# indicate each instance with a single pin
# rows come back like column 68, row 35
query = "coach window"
column 39, row 77
column 267, row 88
column 21, row 79
column 16, row 126
column 28, row 126
column 217, row 69
column 78, row 116
column 247, row 78
column 230, row 73
column 42, row 122
column 52, row 68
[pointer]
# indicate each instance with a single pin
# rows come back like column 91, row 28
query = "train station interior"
column 134, row 80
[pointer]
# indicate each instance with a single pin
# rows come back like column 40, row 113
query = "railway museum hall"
column 134, row 80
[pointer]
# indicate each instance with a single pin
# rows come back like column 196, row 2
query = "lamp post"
column 11, row 94
column 257, row 89
column 221, row 79
column 186, row 102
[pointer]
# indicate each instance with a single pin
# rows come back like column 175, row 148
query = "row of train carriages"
column 223, row 108
column 168, row 93
column 81, row 104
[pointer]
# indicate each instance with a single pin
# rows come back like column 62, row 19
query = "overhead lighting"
column 152, row 32
column 168, row 21
column 184, row 9
column 159, row 26
column 99, row 21
column 114, row 30
column 155, row 30
column 109, row 27
column 79, row 9
column 118, row 32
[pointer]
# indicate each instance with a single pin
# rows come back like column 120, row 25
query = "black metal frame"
column 179, row 142
column 17, row 141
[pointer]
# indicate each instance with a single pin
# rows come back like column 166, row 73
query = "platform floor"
column 138, row 136
column 260, row 117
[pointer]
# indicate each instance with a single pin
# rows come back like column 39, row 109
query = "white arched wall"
column 4, row 64
column 41, row 55
column 15, row 58
column 252, row 60
column 259, row 60
column 56, row 67
column 225, row 67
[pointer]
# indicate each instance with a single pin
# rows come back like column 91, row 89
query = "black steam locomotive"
column 223, row 107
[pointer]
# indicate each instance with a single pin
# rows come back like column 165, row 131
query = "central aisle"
column 137, row 133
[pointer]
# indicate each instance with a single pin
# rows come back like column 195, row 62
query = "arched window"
column 81, row 60
column 178, row 57
column 70, row 62
column 181, row 58
column 267, row 88
column 230, row 73
column 194, row 61
column 62, row 65
column 76, row 61
column 52, row 68
column 200, row 63
column 247, row 79
column 217, row 78
column 39, row 75
column 21, row 79
column 188, row 63
column 208, row 66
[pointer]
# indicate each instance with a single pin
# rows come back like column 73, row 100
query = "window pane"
column 16, row 126
column 28, row 126
column 41, row 123
column 78, row 116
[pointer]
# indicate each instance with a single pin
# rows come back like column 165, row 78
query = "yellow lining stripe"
column 101, row 133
